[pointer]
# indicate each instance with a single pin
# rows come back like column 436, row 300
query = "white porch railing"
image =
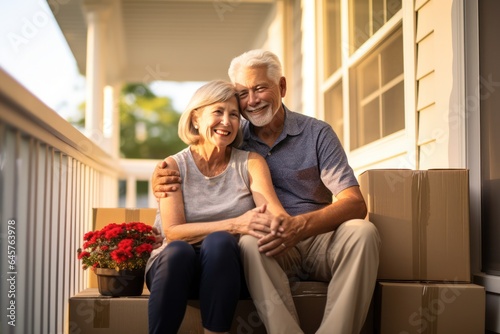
column 51, row 176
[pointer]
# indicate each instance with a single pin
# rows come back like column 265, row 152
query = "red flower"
column 81, row 255
column 120, row 255
column 126, row 243
column 143, row 248
column 123, row 246
column 88, row 235
column 113, row 233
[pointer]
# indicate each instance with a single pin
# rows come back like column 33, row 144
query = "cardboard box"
column 90, row 312
column 423, row 221
column 104, row 216
column 429, row 308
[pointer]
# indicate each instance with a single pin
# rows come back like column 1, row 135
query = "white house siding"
column 441, row 142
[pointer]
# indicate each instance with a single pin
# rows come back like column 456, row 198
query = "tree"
column 148, row 124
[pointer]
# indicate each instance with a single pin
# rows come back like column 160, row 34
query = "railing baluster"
column 22, row 213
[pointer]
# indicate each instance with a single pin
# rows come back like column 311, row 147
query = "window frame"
column 376, row 95
column 400, row 145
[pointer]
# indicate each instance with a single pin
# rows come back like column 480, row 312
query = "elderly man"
column 322, row 239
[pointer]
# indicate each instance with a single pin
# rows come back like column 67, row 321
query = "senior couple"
column 250, row 205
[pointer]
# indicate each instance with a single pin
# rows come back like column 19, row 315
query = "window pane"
column 366, row 17
column 332, row 37
column 368, row 76
column 392, row 59
column 378, row 15
column 393, row 6
column 393, row 104
column 334, row 111
column 360, row 24
column 376, row 93
column 370, row 127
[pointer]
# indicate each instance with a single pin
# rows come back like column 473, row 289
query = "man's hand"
column 158, row 238
column 285, row 233
column 164, row 180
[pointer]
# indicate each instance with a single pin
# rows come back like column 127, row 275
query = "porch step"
column 89, row 312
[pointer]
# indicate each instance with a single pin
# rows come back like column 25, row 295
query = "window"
column 366, row 18
column 332, row 38
column 377, row 93
column 333, row 110
column 369, row 82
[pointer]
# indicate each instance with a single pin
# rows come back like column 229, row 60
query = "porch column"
column 112, row 119
column 97, row 14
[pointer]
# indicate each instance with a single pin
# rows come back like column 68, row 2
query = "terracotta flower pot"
column 111, row 282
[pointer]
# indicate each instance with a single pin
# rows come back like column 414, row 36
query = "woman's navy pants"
column 211, row 272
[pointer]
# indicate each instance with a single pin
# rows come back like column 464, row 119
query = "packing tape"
column 420, row 221
column 429, row 324
column 101, row 313
column 415, row 223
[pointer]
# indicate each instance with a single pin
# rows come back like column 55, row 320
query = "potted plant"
column 118, row 254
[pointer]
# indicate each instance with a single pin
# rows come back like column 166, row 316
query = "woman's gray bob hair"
column 212, row 92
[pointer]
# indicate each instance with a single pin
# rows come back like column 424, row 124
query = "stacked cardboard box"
column 424, row 272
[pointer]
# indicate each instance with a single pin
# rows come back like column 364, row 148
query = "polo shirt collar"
column 292, row 126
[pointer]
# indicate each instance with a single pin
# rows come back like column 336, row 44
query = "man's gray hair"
column 256, row 58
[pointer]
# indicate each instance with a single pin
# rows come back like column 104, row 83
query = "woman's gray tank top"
column 226, row 195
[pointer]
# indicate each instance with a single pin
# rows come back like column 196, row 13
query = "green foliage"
column 148, row 124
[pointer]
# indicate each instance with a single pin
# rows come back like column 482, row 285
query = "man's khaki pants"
column 347, row 258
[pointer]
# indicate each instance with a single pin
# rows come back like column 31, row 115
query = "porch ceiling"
column 168, row 40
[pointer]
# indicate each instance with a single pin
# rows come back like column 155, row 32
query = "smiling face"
column 260, row 97
column 218, row 123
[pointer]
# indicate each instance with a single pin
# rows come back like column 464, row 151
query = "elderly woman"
column 220, row 189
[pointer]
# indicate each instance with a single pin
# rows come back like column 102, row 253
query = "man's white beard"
column 263, row 118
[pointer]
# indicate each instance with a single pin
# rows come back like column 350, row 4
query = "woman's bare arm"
column 176, row 227
column 261, row 184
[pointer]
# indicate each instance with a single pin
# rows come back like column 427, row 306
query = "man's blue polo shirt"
column 307, row 162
